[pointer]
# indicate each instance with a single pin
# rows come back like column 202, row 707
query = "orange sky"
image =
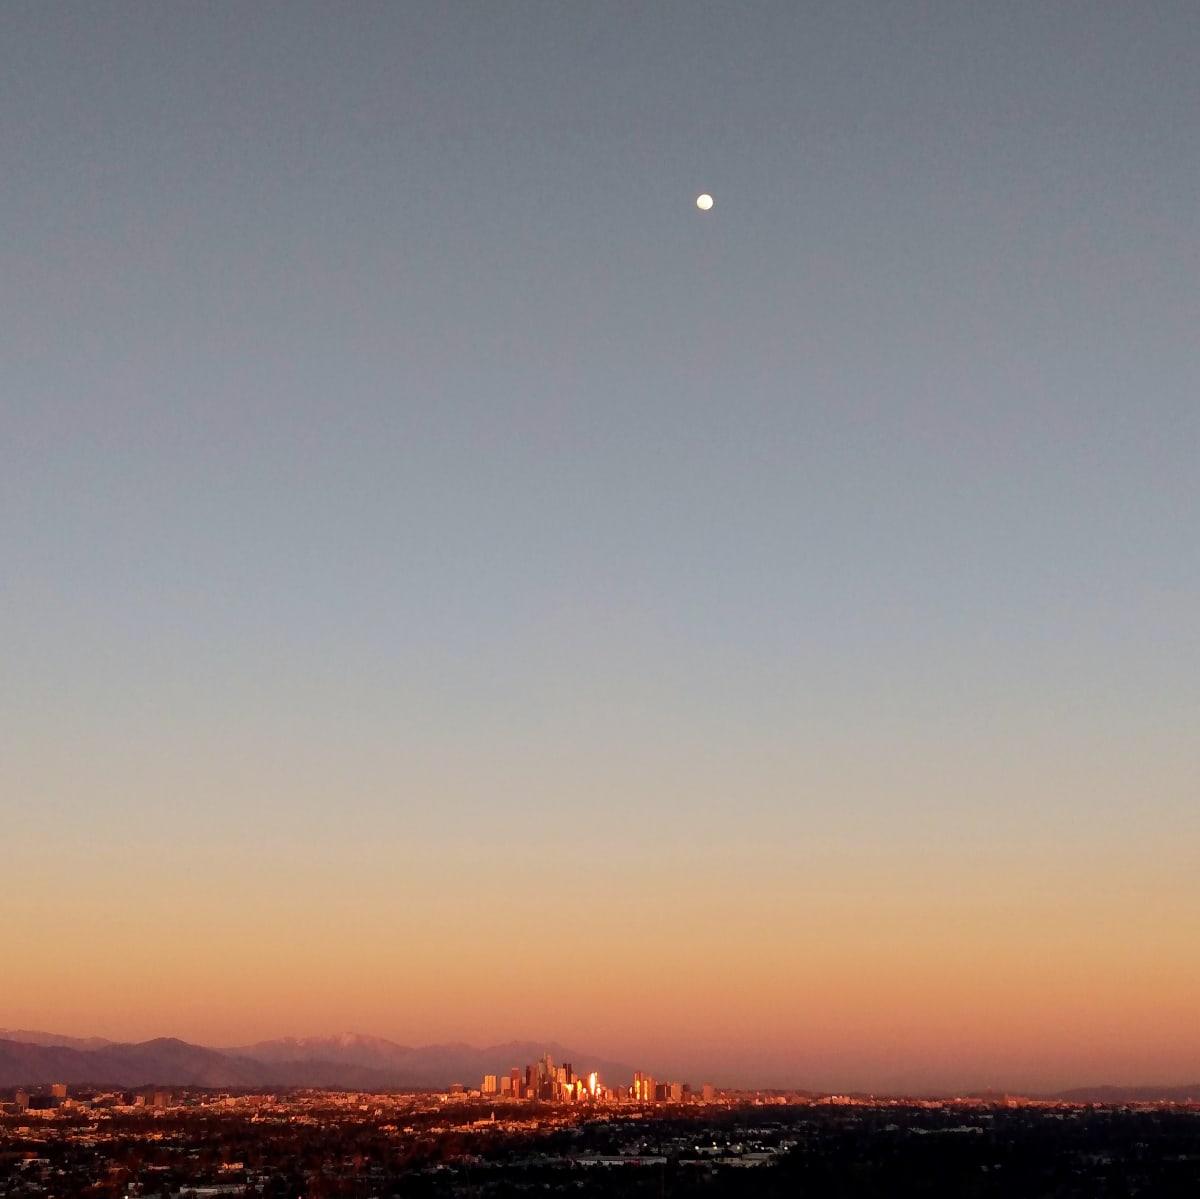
column 953, row 975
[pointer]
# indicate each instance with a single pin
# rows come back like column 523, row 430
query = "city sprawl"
column 573, row 1135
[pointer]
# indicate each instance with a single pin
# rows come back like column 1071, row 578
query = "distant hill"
column 163, row 1061
column 351, row 1048
column 351, row 1061
column 30, row 1037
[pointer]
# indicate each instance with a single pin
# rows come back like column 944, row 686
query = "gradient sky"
column 453, row 589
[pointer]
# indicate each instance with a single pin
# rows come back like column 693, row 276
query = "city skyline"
column 371, row 1062
column 456, row 587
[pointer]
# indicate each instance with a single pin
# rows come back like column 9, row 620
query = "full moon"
column 704, row 202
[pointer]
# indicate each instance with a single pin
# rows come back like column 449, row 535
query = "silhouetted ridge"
column 350, row 1061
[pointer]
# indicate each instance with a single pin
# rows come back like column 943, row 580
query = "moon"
column 704, row 202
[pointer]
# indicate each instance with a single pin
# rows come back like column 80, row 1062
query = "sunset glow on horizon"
column 880, row 981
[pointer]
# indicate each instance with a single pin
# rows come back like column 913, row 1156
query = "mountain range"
column 350, row 1061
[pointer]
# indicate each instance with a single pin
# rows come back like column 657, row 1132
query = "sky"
column 454, row 589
